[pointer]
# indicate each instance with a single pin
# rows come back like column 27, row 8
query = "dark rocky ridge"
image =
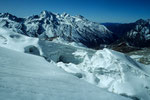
column 131, row 36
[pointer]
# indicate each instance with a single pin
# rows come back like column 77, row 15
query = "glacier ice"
column 29, row 77
column 113, row 71
column 108, row 69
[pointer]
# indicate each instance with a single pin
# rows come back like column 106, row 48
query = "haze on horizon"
column 122, row 11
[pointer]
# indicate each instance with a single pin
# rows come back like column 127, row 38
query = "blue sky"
column 95, row 10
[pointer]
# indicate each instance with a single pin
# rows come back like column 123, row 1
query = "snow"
column 113, row 71
column 16, row 41
column 29, row 77
column 60, row 27
column 107, row 69
column 70, row 72
column 136, row 57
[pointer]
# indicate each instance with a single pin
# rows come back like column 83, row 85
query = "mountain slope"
column 113, row 71
column 140, row 35
column 59, row 27
column 119, row 29
column 16, row 41
column 28, row 77
column 134, row 35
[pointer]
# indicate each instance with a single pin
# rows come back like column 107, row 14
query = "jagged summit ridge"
column 58, row 27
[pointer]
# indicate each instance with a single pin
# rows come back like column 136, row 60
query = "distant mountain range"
column 78, row 29
column 59, row 27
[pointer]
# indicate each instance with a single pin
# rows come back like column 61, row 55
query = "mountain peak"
column 46, row 14
column 65, row 14
column 140, row 21
column 5, row 15
column 80, row 16
column 10, row 17
column 49, row 26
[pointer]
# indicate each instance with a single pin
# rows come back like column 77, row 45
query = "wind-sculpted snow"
column 29, row 77
column 59, row 27
column 107, row 69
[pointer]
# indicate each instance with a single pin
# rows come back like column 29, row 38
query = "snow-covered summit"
column 51, row 26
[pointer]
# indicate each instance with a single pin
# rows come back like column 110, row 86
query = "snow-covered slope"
column 58, row 27
column 28, row 77
column 19, row 42
column 107, row 69
column 113, row 71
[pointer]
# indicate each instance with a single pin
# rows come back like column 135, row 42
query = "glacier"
column 29, row 77
column 112, row 73
column 108, row 69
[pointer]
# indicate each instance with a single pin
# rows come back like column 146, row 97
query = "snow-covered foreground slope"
column 107, row 69
column 15, row 41
column 113, row 71
column 29, row 77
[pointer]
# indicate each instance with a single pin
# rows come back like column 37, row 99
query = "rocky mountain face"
column 131, row 36
column 58, row 27
column 140, row 35
column 119, row 29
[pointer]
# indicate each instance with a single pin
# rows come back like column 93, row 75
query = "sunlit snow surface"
column 16, row 41
column 113, row 71
column 29, row 77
